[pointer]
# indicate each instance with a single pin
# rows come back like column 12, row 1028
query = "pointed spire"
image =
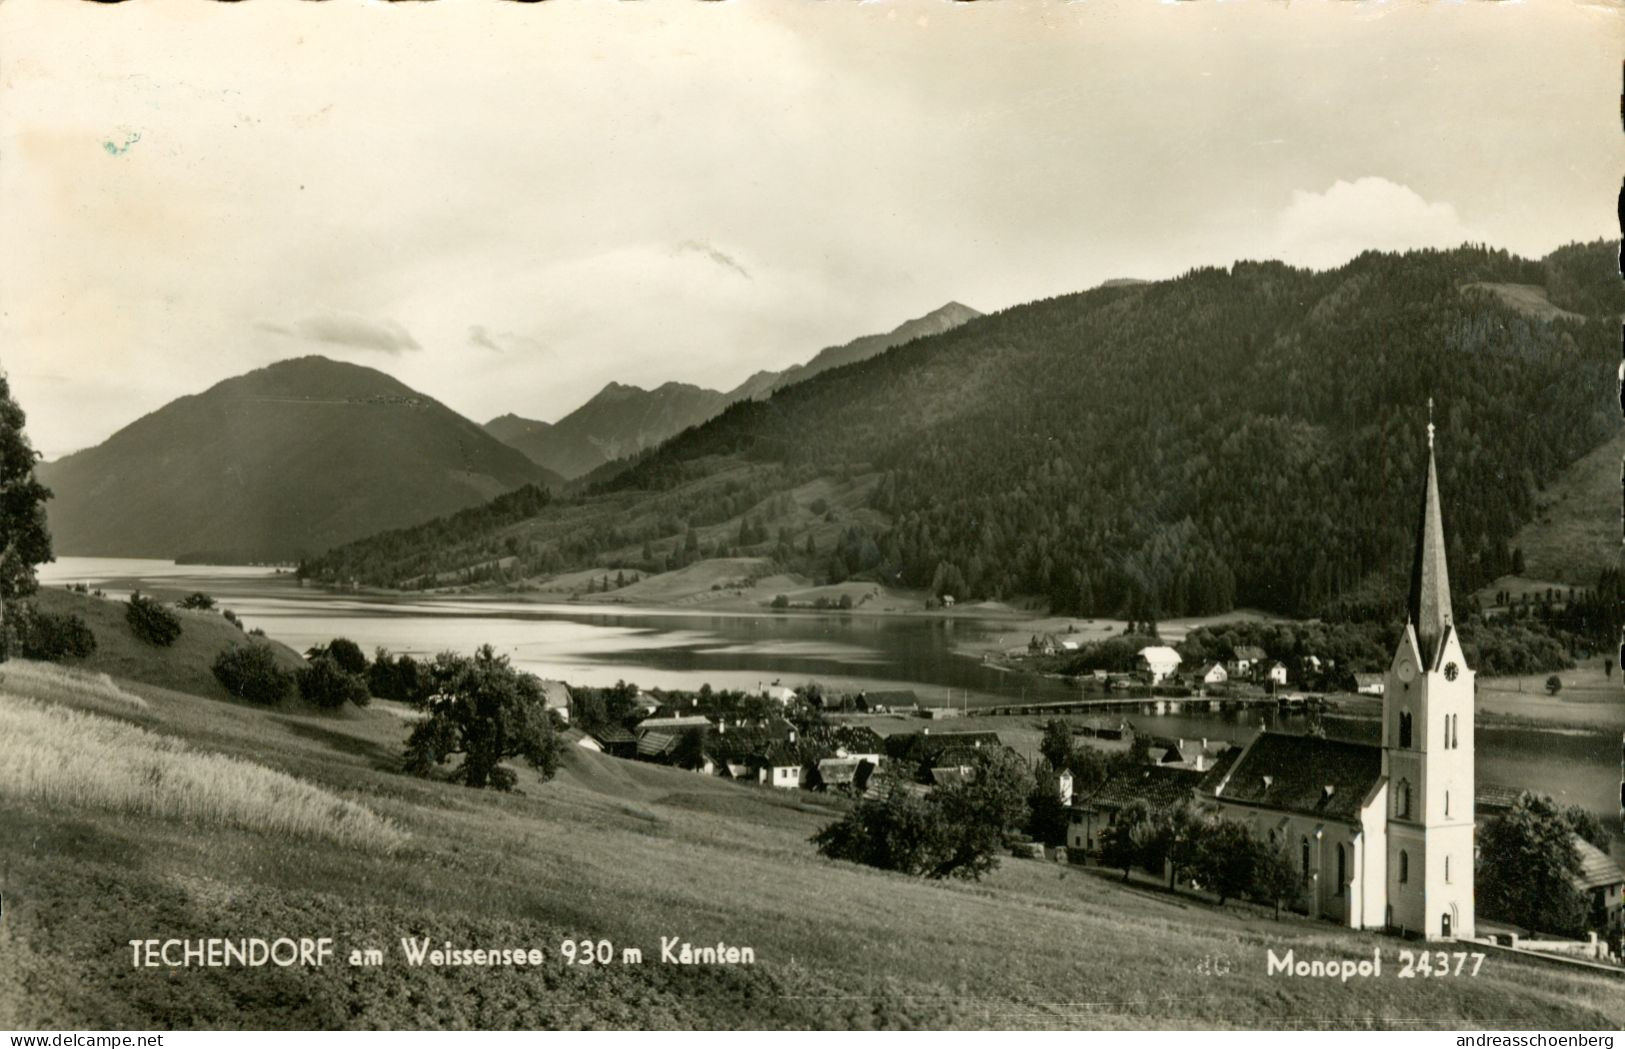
column 1429, row 605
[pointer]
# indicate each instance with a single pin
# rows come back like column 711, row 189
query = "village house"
column 616, row 741
column 1601, row 882
column 1213, row 674
column 1276, row 673
column 556, row 697
column 1368, row 684
column 778, row 693
column 895, row 701
column 1160, row 661
column 1159, row 786
column 1044, row 645
column 1243, row 659
column 1382, row 834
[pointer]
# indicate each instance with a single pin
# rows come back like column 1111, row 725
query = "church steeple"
column 1429, row 605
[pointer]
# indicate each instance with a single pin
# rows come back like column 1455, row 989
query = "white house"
column 1276, row 673
column 779, row 693
column 1244, row 659
column 1161, row 661
column 1214, row 674
column 556, row 696
column 1382, row 835
column 1368, row 684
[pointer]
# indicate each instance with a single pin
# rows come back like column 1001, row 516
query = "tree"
column 485, row 710
column 1227, row 861
column 1527, row 861
column 955, row 832
column 1048, row 817
column 900, row 833
column 1585, row 823
column 197, row 600
column 348, row 655
column 327, row 684
column 252, row 672
column 979, row 811
column 690, row 750
column 1122, row 842
column 1275, row 880
column 1181, row 829
column 25, row 542
column 1057, row 743
column 1554, row 684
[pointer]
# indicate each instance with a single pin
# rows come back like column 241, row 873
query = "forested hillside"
column 1250, row 436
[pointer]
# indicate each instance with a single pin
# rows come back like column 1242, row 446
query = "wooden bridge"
column 1152, row 705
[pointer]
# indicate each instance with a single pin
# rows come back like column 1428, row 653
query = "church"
column 1382, row 834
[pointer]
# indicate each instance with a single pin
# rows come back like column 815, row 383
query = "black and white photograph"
column 671, row 515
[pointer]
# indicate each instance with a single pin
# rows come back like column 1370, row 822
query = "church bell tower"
column 1427, row 747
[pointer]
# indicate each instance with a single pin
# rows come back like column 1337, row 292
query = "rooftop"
column 1320, row 777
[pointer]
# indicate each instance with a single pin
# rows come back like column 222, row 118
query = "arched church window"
column 1404, row 728
column 1447, row 803
column 1342, row 869
column 1447, row 869
column 1404, row 866
column 1402, row 800
column 1455, row 731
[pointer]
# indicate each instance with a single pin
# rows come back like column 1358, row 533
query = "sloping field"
column 633, row 854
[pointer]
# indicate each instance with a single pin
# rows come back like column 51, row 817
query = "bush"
column 348, row 655
column 52, row 637
column 399, row 678
column 251, row 672
column 329, row 685
column 197, row 600
column 231, row 617
column 152, row 622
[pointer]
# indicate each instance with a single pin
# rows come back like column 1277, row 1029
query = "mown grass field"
column 630, row 853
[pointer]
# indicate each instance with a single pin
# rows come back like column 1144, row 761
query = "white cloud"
column 337, row 328
column 1323, row 230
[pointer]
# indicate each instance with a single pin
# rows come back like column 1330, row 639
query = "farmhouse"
column 556, row 697
column 1244, row 658
column 1601, row 882
column 1213, row 674
column 1276, row 673
column 1160, row 661
column 1382, row 835
column 1160, row 786
column 1368, row 684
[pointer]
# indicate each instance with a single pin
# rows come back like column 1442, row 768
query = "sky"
column 508, row 205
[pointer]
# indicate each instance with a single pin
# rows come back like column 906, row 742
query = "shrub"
column 52, row 637
column 197, row 600
column 231, row 617
column 150, row 621
column 251, row 672
column 348, row 655
column 781, row 601
column 329, row 685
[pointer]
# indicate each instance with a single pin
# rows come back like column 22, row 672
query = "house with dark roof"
column 1244, row 658
column 1602, row 883
column 616, row 741
column 1160, row 786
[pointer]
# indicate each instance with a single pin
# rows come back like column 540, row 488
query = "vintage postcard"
column 687, row 516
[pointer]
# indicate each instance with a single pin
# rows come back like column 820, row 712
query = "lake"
column 681, row 648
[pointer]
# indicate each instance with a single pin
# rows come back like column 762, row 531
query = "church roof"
column 1429, row 604
column 1330, row 778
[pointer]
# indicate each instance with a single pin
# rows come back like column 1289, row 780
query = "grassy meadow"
column 611, row 850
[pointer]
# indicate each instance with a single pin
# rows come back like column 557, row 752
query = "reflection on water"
column 685, row 648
